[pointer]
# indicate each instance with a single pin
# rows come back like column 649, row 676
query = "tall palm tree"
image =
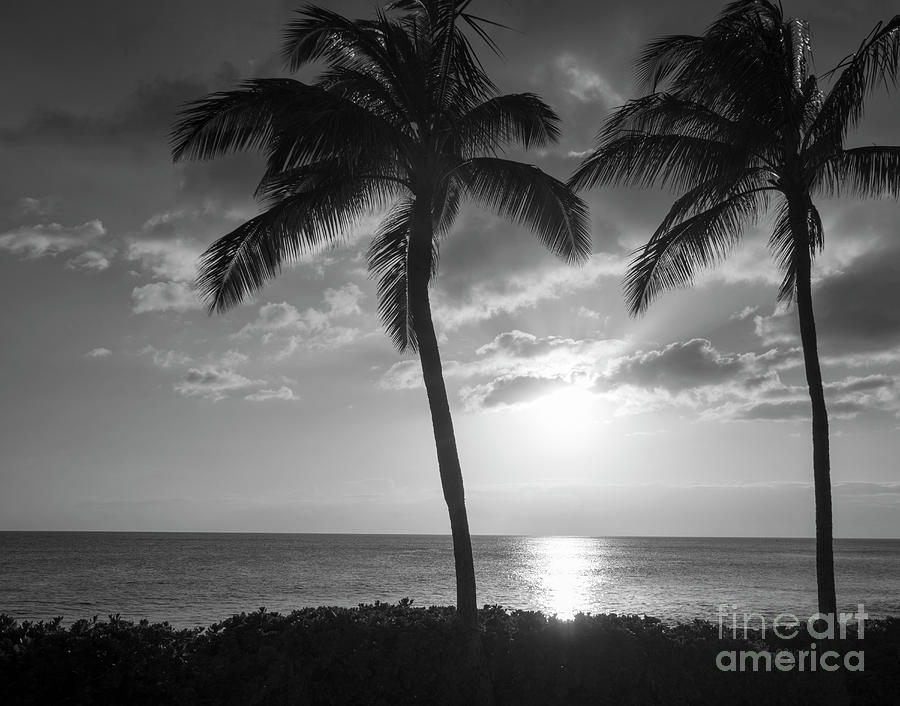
column 733, row 120
column 402, row 118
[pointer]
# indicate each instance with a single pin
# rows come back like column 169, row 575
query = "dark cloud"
column 853, row 307
column 845, row 399
column 678, row 366
column 508, row 391
column 856, row 307
column 230, row 180
column 147, row 113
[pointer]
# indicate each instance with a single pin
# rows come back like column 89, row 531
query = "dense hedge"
column 398, row 654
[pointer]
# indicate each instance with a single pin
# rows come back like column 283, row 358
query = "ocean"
column 195, row 579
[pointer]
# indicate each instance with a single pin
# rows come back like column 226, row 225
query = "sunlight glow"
column 564, row 569
column 564, row 413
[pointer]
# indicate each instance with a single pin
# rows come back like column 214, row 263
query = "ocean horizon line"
column 445, row 534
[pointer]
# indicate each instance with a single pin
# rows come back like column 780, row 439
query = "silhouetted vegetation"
column 398, row 654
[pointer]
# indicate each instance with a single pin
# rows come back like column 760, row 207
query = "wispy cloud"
column 282, row 324
column 166, row 358
column 51, row 239
column 283, row 393
column 586, row 84
column 213, row 383
column 508, row 295
column 174, row 260
column 164, row 296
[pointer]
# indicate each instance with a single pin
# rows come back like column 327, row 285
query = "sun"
column 563, row 413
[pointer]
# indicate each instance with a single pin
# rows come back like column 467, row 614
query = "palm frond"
column 241, row 262
column 317, row 33
column 676, row 161
column 734, row 68
column 367, row 90
column 329, row 126
column 293, row 122
column 783, row 246
column 447, row 200
column 276, row 185
column 876, row 61
column 388, row 263
column 711, row 193
column 861, row 172
column 460, row 73
column 524, row 194
column 667, row 113
column 234, row 120
column 661, row 58
column 671, row 257
column 521, row 118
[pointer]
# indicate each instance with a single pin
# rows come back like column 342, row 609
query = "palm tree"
column 403, row 120
column 733, row 120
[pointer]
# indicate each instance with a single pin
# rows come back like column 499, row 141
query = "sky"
column 126, row 407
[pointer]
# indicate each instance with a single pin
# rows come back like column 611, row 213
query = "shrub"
column 397, row 654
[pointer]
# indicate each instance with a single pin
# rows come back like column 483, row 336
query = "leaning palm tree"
column 734, row 121
column 404, row 121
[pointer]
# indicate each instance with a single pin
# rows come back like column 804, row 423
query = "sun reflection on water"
column 564, row 574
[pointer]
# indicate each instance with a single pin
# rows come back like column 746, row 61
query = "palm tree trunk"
column 419, row 265
column 821, row 457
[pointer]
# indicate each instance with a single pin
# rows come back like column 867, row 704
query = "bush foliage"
column 397, row 654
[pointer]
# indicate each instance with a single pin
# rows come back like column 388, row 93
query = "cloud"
column 515, row 367
column 147, row 112
column 692, row 375
column 98, row 353
column 791, row 410
column 487, row 299
column 89, row 261
column 523, row 345
column 51, row 239
column 744, row 313
column 282, row 393
column 174, row 260
column 164, row 296
column 218, row 377
column 586, row 85
column 678, row 366
column 343, row 301
column 510, row 391
column 30, row 206
column 846, row 398
column 587, row 313
column 407, row 374
column 403, row 375
column 314, row 329
column 166, row 359
column 776, row 328
column 850, row 302
column 213, row 382
column 855, row 307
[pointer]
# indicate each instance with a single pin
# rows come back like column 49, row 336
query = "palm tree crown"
column 404, row 111
column 733, row 119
